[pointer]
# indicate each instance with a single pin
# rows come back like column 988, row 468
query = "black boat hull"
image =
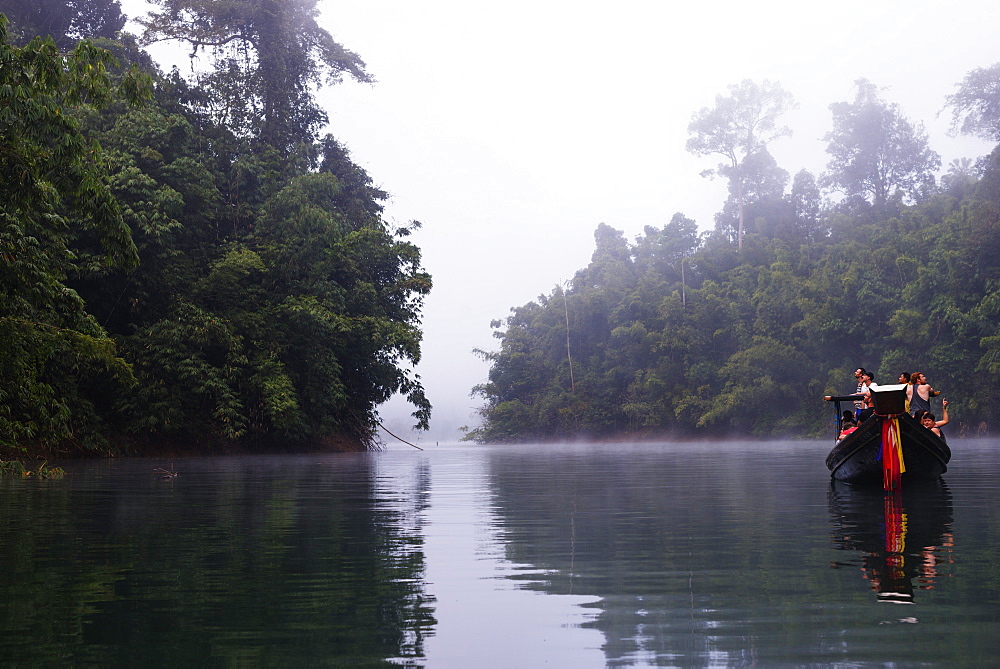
column 857, row 458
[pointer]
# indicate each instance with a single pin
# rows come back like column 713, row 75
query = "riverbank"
column 126, row 447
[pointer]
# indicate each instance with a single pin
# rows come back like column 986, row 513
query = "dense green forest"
column 188, row 260
column 744, row 329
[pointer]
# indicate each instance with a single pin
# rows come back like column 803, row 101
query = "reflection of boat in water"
column 867, row 454
column 902, row 534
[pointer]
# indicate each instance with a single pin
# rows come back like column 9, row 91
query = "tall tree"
column 267, row 55
column 876, row 153
column 760, row 189
column 805, row 198
column 737, row 128
column 976, row 105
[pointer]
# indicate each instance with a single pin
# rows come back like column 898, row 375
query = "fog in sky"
column 511, row 130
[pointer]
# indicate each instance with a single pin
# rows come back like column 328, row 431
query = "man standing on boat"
column 858, row 404
column 904, row 378
column 919, row 392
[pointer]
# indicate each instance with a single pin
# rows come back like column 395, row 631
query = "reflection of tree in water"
column 267, row 561
column 692, row 559
column 902, row 536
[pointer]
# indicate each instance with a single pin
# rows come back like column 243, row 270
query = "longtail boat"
column 889, row 447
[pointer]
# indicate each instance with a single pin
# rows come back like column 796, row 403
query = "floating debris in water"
column 166, row 473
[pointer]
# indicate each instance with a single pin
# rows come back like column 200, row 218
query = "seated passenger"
column 846, row 428
column 944, row 415
column 928, row 421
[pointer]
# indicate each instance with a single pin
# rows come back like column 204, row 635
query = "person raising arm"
column 920, row 393
column 928, row 421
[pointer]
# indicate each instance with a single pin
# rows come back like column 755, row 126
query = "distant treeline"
column 187, row 262
column 744, row 329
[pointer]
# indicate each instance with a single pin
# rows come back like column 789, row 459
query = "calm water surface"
column 702, row 554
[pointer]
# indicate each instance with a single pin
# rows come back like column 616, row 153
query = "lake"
column 592, row 555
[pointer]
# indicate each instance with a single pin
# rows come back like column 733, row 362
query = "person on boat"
column 904, row 377
column 944, row 415
column 869, row 409
column 927, row 420
column 846, row 420
column 919, row 392
column 858, row 404
column 868, row 404
column 867, row 381
column 847, row 426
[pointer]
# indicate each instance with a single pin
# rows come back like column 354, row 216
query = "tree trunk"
column 739, row 192
column 271, row 28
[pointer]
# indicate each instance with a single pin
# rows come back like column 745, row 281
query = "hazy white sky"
column 512, row 129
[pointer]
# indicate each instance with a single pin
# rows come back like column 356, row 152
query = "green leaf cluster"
column 58, row 218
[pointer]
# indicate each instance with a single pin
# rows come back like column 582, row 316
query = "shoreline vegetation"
column 186, row 263
column 41, row 470
column 743, row 329
column 179, row 448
